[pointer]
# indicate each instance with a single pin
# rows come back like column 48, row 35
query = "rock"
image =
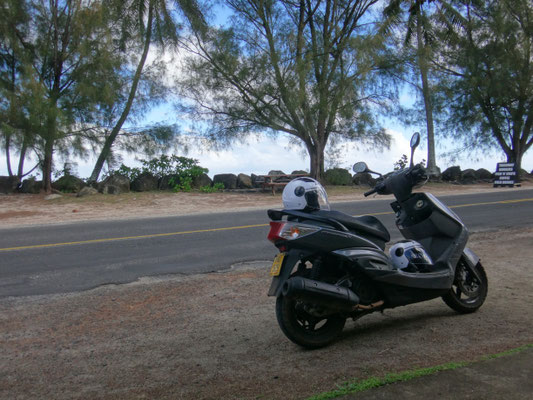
column 145, row 182
column 276, row 172
column 244, row 181
column 53, row 197
column 484, row 175
column 228, row 180
column 202, row 181
column 68, row 184
column 299, row 172
column 168, row 182
column 452, row 174
column 114, row 184
column 256, row 181
column 338, row 176
column 31, row 186
column 87, row 191
column 363, row 179
column 8, row 184
column 468, row 177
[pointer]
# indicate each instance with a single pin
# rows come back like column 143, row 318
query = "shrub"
column 338, row 176
column 217, row 187
column 182, row 169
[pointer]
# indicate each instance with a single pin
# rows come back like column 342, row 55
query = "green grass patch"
column 374, row 382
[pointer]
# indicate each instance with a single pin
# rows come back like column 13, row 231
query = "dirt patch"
column 22, row 209
column 215, row 336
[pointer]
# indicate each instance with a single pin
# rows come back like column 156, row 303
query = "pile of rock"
column 116, row 184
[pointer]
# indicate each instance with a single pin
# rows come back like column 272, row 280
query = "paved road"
column 73, row 257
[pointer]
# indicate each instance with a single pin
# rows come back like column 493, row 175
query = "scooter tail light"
column 275, row 230
column 289, row 231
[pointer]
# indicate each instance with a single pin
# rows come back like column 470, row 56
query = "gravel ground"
column 215, row 336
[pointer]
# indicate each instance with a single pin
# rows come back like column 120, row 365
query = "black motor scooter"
column 333, row 266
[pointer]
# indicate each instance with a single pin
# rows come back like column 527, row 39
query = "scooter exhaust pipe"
column 328, row 295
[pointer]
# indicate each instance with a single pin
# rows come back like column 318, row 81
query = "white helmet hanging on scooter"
column 305, row 193
column 410, row 256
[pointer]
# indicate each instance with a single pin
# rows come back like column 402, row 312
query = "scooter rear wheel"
column 305, row 329
column 468, row 292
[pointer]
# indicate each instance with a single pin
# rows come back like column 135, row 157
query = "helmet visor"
column 317, row 199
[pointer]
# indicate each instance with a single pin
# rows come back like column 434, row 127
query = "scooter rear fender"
column 289, row 262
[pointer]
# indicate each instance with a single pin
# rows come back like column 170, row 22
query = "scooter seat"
column 364, row 224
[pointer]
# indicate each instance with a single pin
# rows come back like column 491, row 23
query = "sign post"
column 505, row 175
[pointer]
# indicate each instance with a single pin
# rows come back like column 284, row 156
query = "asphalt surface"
column 81, row 256
column 506, row 377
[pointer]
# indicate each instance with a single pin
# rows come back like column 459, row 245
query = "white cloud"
column 260, row 155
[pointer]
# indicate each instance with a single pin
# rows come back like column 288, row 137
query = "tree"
column 306, row 68
column 69, row 63
column 146, row 21
column 418, row 27
column 14, row 124
column 489, row 62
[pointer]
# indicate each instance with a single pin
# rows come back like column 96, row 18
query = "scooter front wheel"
column 468, row 292
column 304, row 328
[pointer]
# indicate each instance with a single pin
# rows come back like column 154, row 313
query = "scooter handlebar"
column 372, row 191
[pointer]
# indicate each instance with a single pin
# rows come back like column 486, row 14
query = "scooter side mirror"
column 415, row 141
column 360, row 167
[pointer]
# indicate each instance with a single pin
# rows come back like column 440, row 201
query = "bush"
column 182, row 169
column 217, row 187
column 338, row 176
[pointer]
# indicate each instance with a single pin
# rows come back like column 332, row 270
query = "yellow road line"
column 155, row 235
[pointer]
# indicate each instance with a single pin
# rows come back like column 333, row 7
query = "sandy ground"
column 215, row 336
column 21, row 210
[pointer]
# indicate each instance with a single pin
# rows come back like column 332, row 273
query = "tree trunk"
column 516, row 157
column 48, row 164
column 8, row 156
column 426, row 93
column 316, row 154
column 22, row 157
column 106, row 149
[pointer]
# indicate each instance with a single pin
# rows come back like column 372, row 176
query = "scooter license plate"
column 276, row 265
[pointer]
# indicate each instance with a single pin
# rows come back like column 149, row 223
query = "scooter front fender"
column 470, row 257
column 289, row 262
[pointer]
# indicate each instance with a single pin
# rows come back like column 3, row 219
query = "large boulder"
column 168, row 182
column 452, row 174
column 68, row 184
column 145, row 182
column 114, row 184
column 299, row 172
column 87, row 191
column 256, row 180
column 228, row 180
column 8, row 184
column 201, row 181
column 31, row 186
column 468, row 177
column 244, row 181
column 364, row 179
column 484, row 175
column 338, row 176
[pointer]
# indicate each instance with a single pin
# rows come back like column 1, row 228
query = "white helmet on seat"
column 305, row 193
